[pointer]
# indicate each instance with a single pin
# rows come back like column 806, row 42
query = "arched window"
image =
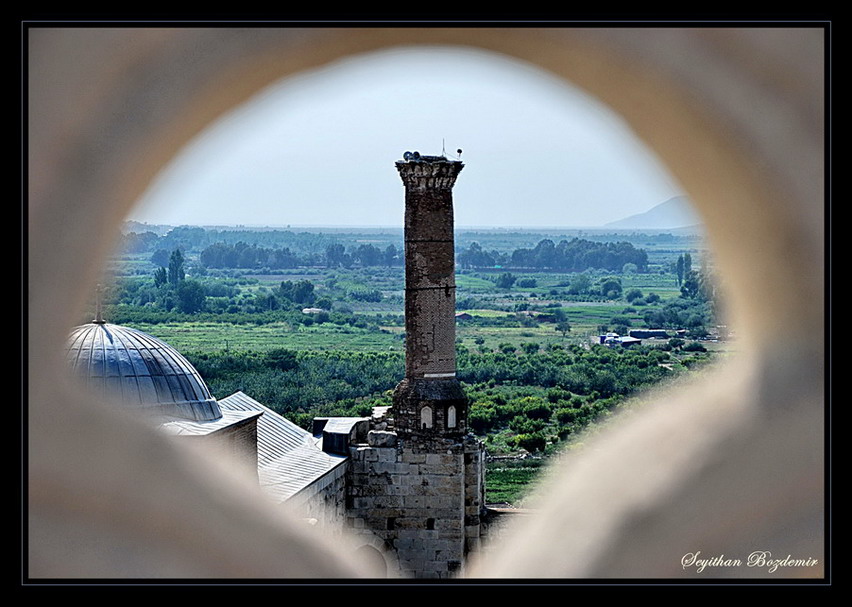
column 426, row 417
column 451, row 416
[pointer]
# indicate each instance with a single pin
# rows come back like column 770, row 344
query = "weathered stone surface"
column 440, row 469
column 430, row 265
column 413, row 458
column 382, row 438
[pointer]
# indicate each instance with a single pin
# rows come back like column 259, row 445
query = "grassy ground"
column 201, row 337
column 508, row 481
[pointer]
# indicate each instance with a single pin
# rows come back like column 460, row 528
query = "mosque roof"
column 288, row 458
column 139, row 370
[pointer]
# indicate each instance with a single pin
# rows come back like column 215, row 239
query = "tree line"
column 243, row 255
column 194, row 238
column 576, row 255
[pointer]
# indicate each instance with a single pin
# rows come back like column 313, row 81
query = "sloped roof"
column 188, row 427
column 288, row 459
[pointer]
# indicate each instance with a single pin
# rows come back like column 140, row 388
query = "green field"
column 212, row 337
column 508, row 481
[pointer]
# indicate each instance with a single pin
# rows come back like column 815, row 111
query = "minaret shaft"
column 430, row 297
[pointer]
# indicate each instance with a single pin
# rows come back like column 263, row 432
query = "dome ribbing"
column 139, row 370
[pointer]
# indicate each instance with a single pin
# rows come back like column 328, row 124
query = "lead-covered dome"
column 139, row 370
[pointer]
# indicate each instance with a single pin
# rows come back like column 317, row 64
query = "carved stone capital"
column 429, row 174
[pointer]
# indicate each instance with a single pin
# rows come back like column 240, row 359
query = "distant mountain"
column 140, row 228
column 674, row 213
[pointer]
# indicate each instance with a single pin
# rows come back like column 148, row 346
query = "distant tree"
column 190, row 296
column 535, row 407
column 527, row 283
column 280, row 358
column 611, row 288
column 160, row 257
column 532, row 442
column 300, row 292
column 390, row 255
column 692, row 287
column 697, row 332
column 530, row 347
column 579, row 284
column 134, row 242
column 620, row 320
column 368, row 255
column 676, row 342
column 176, row 272
column 266, row 301
column 160, row 277
column 563, row 327
column 679, row 272
column 325, row 303
column 482, row 417
column 475, row 257
column 248, row 257
column 525, row 425
column 335, row 255
column 362, row 294
column 633, row 294
column 505, row 280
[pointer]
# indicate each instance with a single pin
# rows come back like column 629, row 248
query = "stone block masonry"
column 421, row 515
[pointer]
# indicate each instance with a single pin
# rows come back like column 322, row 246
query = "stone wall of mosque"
column 422, row 501
column 323, row 502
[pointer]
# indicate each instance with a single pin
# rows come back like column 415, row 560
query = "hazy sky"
column 319, row 149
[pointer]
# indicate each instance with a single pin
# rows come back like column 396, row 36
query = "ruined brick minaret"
column 429, row 401
column 416, row 492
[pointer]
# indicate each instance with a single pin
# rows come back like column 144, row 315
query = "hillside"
column 676, row 212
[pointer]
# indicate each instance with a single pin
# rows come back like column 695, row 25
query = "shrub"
column 554, row 395
column 280, row 358
column 530, row 347
column 524, row 425
column 565, row 416
column 633, row 294
column 505, row 280
column 535, row 408
column 482, row 418
column 532, row 442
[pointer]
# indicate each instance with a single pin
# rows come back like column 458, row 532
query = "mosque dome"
column 139, row 370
